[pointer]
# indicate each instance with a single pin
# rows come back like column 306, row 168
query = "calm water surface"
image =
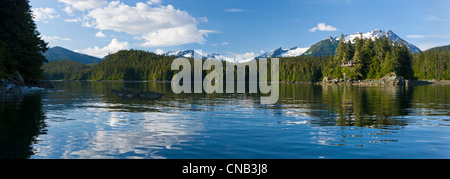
column 85, row 120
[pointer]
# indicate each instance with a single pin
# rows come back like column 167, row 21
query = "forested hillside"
column 133, row 65
column 440, row 49
column 433, row 64
column 59, row 53
column 303, row 68
column 141, row 65
column 67, row 70
column 323, row 48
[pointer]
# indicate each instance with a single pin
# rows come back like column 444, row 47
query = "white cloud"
column 323, row 27
column 433, row 18
column 202, row 19
column 112, row 47
column 73, row 20
column 158, row 26
column 225, row 43
column 82, row 5
column 137, row 20
column 44, row 14
column 234, row 57
column 416, row 36
column 54, row 38
column 69, row 10
column 100, row 34
column 248, row 55
column 151, row 2
column 159, row 51
column 234, row 10
column 175, row 36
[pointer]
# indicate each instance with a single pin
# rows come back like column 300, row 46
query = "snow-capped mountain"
column 216, row 56
column 182, row 53
column 380, row 34
column 193, row 54
column 279, row 52
column 322, row 48
column 329, row 45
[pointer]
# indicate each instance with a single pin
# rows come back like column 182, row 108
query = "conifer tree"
column 387, row 64
column 21, row 41
column 358, row 59
column 334, row 69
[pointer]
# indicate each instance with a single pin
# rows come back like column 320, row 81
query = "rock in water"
column 136, row 94
column 150, row 96
column 393, row 79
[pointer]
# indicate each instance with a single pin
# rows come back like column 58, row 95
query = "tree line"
column 433, row 64
column 67, row 70
column 369, row 59
column 142, row 65
column 133, row 65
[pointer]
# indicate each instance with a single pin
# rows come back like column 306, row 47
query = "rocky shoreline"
column 15, row 85
column 14, row 89
column 391, row 79
column 136, row 94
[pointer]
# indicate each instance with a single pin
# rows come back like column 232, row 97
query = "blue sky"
column 234, row 28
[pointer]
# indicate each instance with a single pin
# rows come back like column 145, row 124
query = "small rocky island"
column 391, row 79
column 136, row 94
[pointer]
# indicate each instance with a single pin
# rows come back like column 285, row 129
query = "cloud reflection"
column 109, row 134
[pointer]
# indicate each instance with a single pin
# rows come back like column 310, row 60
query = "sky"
column 234, row 28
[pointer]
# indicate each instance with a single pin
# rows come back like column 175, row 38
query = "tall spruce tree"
column 20, row 43
column 368, row 54
column 334, row 70
column 358, row 59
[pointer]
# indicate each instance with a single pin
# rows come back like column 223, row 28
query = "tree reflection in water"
column 21, row 122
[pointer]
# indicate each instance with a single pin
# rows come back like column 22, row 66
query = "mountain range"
column 60, row 53
column 328, row 46
column 322, row 48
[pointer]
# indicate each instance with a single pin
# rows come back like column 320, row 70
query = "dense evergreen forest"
column 21, row 47
column 123, row 65
column 440, row 49
column 370, row 59
column 133, row 65
column 303, row 68
column 433, row 64
column 141, row 65
column 67, row 70
column 367, row 59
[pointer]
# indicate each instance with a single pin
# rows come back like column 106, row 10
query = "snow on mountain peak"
column 280, row 52
column 377, row 33
column 296, row 51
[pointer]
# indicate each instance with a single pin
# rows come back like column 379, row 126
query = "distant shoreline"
column 135, row 81
column 355, row 83
column 378, row 83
